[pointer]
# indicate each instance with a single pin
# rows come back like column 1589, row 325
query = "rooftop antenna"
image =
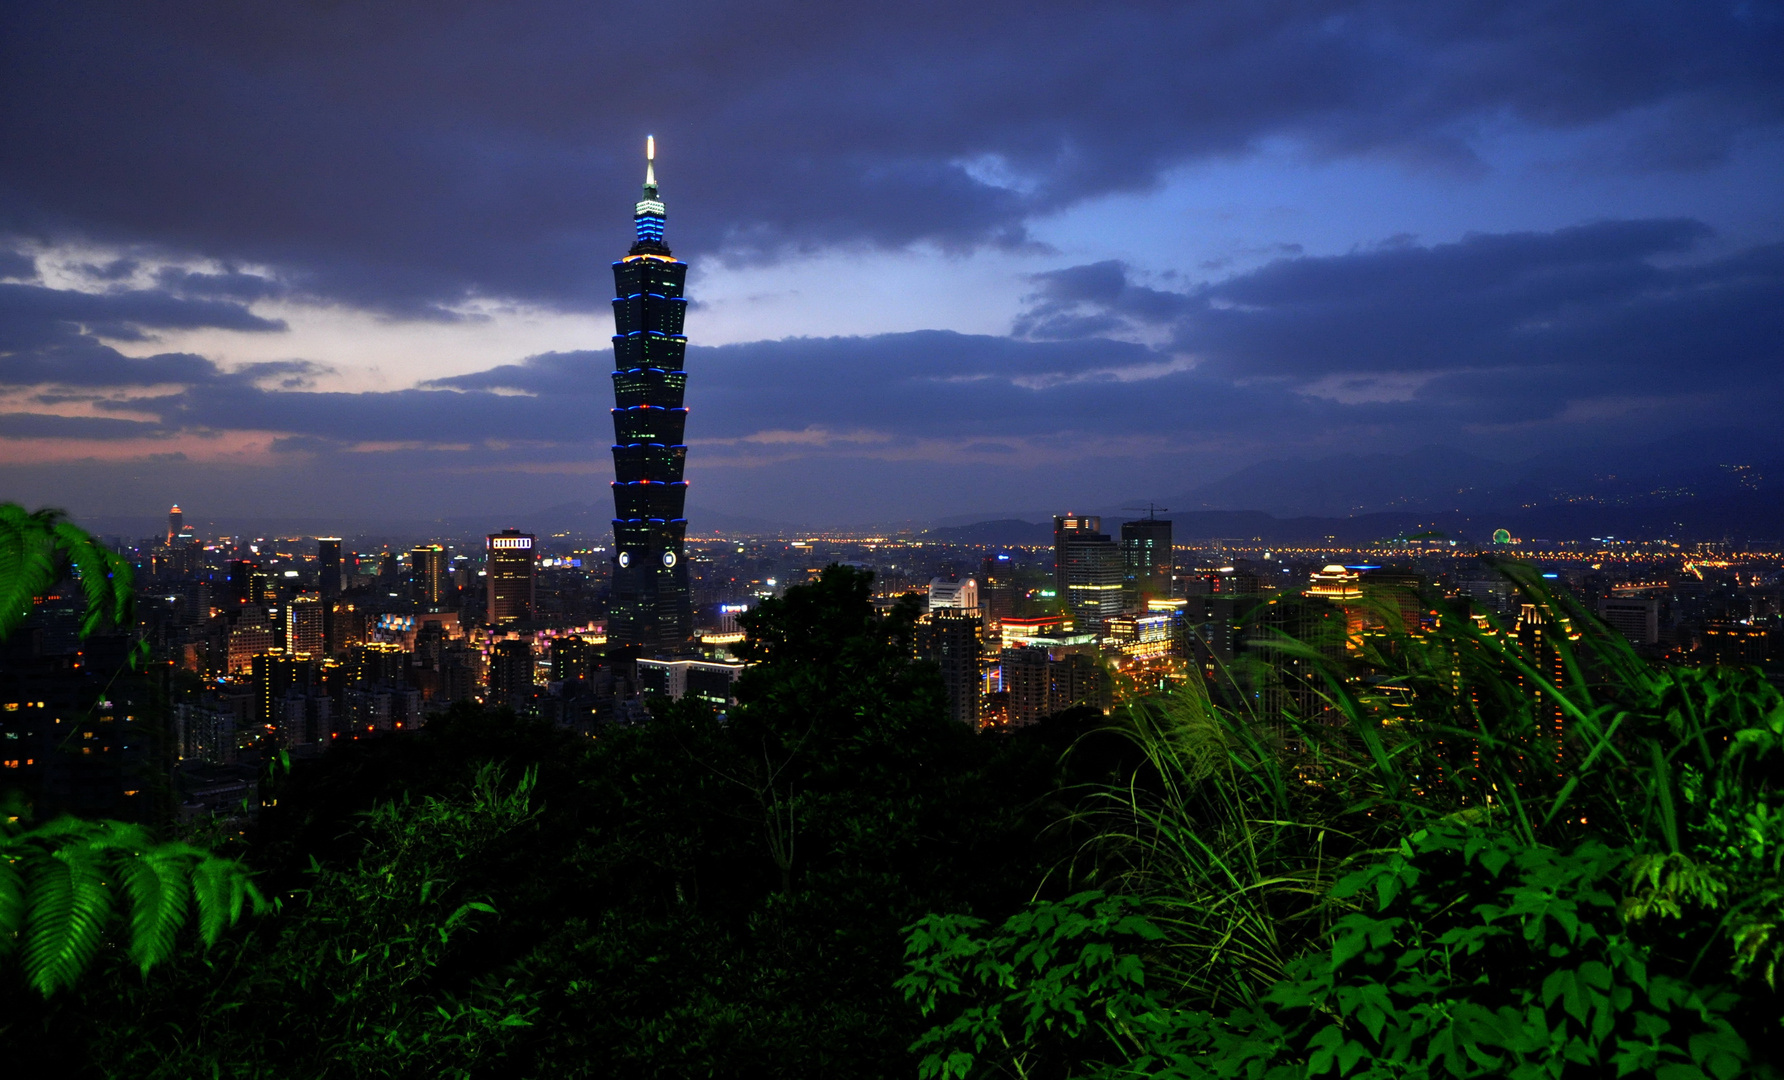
column 1152, row 511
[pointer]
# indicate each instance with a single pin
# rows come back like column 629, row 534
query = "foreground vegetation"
column 1492, row 858
column 1478, row 859
column 491, row 897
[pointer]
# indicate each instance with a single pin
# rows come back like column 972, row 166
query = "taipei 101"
column 1129, row 539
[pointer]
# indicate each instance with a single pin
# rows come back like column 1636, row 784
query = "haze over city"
column 349, row 263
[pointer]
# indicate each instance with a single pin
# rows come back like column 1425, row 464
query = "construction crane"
column 1152, row 511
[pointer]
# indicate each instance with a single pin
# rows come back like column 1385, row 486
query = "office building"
column 248, row 584
column 379, row 662
column 1088, row 571
column 1038, row 683
column 1636, row 618
column 374, row 707
column 1544, row 642
column 330, row 582
column 328, row 565
column 510, row 576
column 247, row 639
column 951, row 640
column 427, row 569
column 276, row 673
column 1147, row 560
column 1148, row 639
column 303, row 626
column 997, row 588
column 572, row 659
column 510, row 672
column 960, row 596
column 1734, row 644
column 651, row 606
column 175, row 523
column 710, row 681
column 1064, row 528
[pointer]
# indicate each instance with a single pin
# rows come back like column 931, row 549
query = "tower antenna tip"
column 650, row 148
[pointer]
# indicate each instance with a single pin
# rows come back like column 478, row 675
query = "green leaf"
column 69, row 904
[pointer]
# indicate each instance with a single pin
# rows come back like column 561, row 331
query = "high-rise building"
column 1147, row 559
column 328, row 565
column 571, row 659
column 510, row 672
column 509, row 572
column 328, row 574
column 960, row 596
column 1064, row 528
column 379, row 662
column 1636, row 618
column 174, row 521
column 651, row 607
column 303, row 626
column 427, row 567
column 1544, row 643
column 1038, row 683
column 951, row 640
column 1088, row 570
column 247, row 583
column 275, row 674
column 997, row 588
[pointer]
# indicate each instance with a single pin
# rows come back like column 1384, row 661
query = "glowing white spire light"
column 650, row 161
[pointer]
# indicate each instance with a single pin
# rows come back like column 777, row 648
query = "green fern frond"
column 222, row 888
column 37, row 549
column 61, row 883
column 69, row 904
column 155, row 881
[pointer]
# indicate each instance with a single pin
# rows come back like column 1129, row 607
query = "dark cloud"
column 1404, row 341
column 228, row 285
column 51, row 336
column 17, row 264
column 31, row 315
column 46, row 426
column 1508, row 327
column 403, row 155
column 115, row 270
column 1600, row 336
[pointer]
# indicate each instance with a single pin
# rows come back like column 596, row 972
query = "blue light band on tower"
column 651, row 607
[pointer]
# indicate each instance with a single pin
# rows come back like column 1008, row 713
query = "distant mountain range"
column 1696, row 487
column 1688, row 488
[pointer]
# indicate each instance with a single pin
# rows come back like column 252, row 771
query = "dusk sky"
column 351, row 260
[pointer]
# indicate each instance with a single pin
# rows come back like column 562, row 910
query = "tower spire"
column 648, row 217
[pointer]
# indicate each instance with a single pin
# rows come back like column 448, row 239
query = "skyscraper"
column 304, row 634
column 651, row 607
column 951, row 640
column 427, row 567
column 508, row 569
column 1064, row 528
column 174, row 518
column 328, row 564
column 1087, row 566
column 1147, row 558
column 328, row 571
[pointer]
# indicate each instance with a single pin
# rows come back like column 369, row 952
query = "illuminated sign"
column 510, row 543
column 733, row 609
